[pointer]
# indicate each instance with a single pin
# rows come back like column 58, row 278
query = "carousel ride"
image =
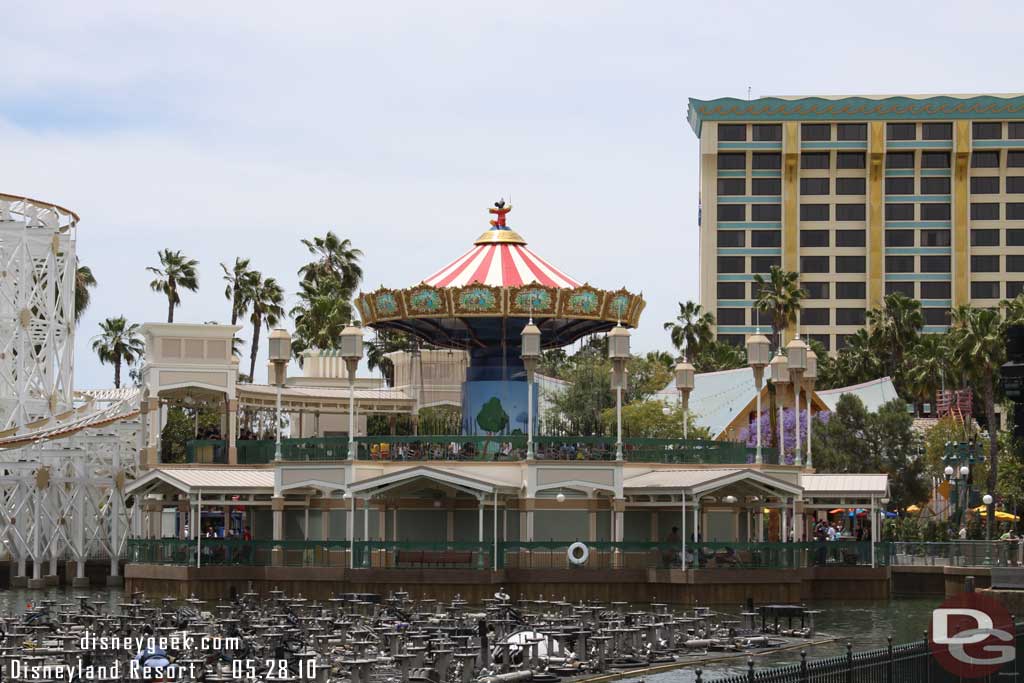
column 481, row 302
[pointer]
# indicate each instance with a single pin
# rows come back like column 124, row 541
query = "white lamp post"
column 989, row 514
column 280, row 352
column 684, row 384
column 531, row 356
column 810, row 375
column 796, row 358
column 352, row 352
column 780, row 378
column 618, row 353
column 758, row 356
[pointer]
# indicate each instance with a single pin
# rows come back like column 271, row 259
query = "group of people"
column 834, row 531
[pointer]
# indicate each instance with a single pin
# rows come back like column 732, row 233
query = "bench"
column 435, row 558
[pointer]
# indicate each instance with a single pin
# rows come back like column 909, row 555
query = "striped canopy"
column 500, row 258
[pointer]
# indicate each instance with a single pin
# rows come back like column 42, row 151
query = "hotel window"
column 935, row 290
column 899, row 238
column 814, row 160
column 1015, row 263
column 984, row 211
column 731, row 264
column 849, row 316
column 1015, row 184
column 1014, row 289
column 732, row 162
column 815, row 131
column 984, row 263
column 732, row 212
column 850, row 238
column 814, row 186
column 850, row 160
column 936, row 131
column 934, row 185
column 850, row 290
column 899, row 186
column 984, row 159
column 814, row 316
column 850, row 186
column 732, row 238
column 935, row 238
column 732, row 316
column 814, row 264
column 904, row 288
column 728, row 132
column 1015, row 130
column 984, row 238
column 935, row 316
column 901, row 131
column 851, row 131
column 815, row 290
column 934, row 159
column 732, row 290
column 899, row 160
column 898, row 212
column 934, row 264
column 766, row 212
column 766, row 238
column 984, row 290
column 763, row 186
column 814, row 238
column 842, row 340
column 1015, row 211
column 767, row 161
column 814, row 212
column 1015, row 238
column 732, row 186
column 824, row 339
column 767, row 132
column 985, row 184
column 935, row 212
column 763, row 264
column 734, row 339
column 987, row 130
column 899, row 264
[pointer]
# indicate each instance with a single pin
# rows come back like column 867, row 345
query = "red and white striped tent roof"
column 500, row 258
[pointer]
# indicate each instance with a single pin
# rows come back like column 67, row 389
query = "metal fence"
column 906, row 663
column 957, row 553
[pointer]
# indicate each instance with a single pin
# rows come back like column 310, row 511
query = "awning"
column 190, row 480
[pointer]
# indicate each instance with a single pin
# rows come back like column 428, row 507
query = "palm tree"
column 859, row 360
column 84, row 281
column 336, row 260
column 779, row 296
column 119, row 341
column 927, row 366
column 691, row 330
column 895, row 328
column 323, row 311
column 265, row 298
column 719, row 355
column 979, row 348
column 662, row 358
column 239, row 279
column 176, row 271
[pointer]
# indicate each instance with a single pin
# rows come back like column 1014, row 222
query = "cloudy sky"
column 235, row 129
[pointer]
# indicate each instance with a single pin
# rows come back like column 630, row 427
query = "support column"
column 37, row 580
column 480, row 519
column 592, row 520
column 790, row 201
column 696, row 519
column 325, row 520
column 618, row 519
column 449, row 523
column 52, row 579
column 961, row 202
column 526, row 506
column 78, row 528
column 876, row 213
column 277, row 552
column 183, row 518
column 382, row 521
column 232, row 429
column 151, row 435
column 114, row 579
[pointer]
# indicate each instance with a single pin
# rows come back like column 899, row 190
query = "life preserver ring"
column 578, row 553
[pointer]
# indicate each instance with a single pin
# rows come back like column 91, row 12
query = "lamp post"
column 280, row 352
column 796, row 357
column 989, row 514
column 684, row 384
column 810, row 375
column 960, row 458
column 352, row 352
column 531, row 356
column 780, row 378
column 758, row 356
column 618, row 353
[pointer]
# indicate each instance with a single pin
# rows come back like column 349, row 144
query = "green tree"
column 648, row 420
column 692, row 329
column 176, row 272
column 896, row 328
column 859, row 360
column 927, row 367
column 779, row 296
column 719, row 355
column 240, row 281
column 265, row 299
column 492, row 418
column 323, row 311
column 336, row 261
column 663, row 358
column 184, row 425
column 118, row 342
column 84, row 281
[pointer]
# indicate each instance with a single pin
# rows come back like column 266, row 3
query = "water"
column 14, row 601
column 865, row 624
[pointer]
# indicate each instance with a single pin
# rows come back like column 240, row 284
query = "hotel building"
column 862, row 196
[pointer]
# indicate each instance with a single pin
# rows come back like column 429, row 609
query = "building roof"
column 873, row 394
column 717, row 397
column 855, row 108
column 192, row 480
column 701, row 481
column 845, row 484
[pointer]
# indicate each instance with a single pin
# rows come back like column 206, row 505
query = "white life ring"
column 578, row 553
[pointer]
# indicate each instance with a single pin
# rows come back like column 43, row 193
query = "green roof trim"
column 941, row 107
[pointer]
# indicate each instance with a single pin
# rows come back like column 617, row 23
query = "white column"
column 757, row 425
column 682, row 496
column 696, row 519
column 874, row 530
column 480, row 518
column 796, row 415
column 796, row 523
column 351, row 531
column 785, row 521
column 494, row 560
column 808, row 461
column 782, row 435
column 366, row 518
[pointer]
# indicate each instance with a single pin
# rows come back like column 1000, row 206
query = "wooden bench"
column 435, row 558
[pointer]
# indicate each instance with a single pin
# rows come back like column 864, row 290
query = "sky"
column 236, row 129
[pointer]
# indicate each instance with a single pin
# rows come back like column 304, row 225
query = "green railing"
column 207, row 451
column 957, row 553
column 255, row 452
column 466, row 448
column 425, row 555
